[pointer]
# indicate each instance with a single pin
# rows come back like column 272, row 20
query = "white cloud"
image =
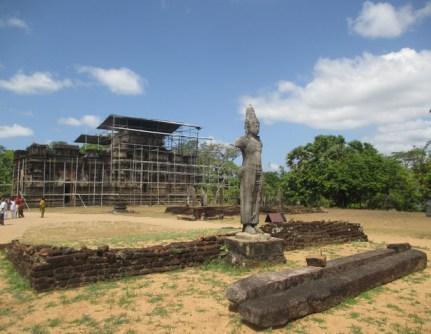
column 122, row 81
column 15, row 130
column 352, row 93
column 86, row 120
column 389, row 91
column 401, row 136
column 36, row 83
column 385, row 21
column 14, row 22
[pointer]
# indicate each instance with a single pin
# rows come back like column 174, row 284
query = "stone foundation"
column 299, row 234
column 49, row 268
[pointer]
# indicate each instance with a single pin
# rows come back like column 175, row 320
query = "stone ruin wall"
column 298, row 234
column 68, row 177
column 48, row 267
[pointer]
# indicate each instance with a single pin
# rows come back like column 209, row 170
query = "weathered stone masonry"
column 49, row 267
column 299, row 234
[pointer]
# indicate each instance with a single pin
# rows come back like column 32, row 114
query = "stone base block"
column 253, row 249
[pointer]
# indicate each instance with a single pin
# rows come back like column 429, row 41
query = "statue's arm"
column 241, row 142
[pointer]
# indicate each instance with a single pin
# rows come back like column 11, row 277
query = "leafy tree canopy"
column 331, row 171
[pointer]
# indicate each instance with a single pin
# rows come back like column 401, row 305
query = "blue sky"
column 360, row 69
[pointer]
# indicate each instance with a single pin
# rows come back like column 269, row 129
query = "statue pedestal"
column 246, row 250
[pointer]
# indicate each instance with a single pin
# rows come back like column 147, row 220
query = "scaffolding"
column 140, row 161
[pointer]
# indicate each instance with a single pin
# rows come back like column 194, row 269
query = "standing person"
column 20, row 203
column 13, row 208
column 2, row 211
column 42, row 206
column 8, row 212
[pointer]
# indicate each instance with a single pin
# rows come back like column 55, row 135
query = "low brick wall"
column 49, row 267
column 299, row 234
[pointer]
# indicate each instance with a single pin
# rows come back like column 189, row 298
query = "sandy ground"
column 192, row 300
column 79, row 224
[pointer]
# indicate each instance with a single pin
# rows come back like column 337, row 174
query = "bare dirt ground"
column 95, row 226
column 192, row 300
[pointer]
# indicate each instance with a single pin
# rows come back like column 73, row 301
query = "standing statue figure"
column 250, row 173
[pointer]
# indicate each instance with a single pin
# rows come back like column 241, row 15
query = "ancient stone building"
column 138, row 160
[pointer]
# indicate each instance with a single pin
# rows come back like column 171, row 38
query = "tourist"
column 42, row 206
column 8, row 212
column 20, row 204
column 2, row 211
column 13, row 208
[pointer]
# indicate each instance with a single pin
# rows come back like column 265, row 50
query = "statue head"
column 252, row 124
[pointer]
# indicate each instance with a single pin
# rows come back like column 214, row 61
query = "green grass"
column 153, row 298
column 318, row 320
column 354, row 315
column 223, row 267
column 18, row 287
column 356, row 330
column 85, row 320
column 54, row 322
column 131, row 331
column 109, row 325
column 38, row 329
column 400, row 329
column 117, row 320
column 159, row 311
column 128, row 297
column 395, row 308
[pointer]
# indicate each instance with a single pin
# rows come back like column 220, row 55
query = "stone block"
column 399, row 247
column 316, row 261
column 273, row 299
column 246, row 249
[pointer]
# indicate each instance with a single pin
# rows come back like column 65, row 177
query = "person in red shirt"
column 20, row 204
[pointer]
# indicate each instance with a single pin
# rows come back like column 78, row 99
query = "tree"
column 271, row 190
column 92, row 148
column 418, row 161
column 223, row 171
column 6, row 167
column 331, row 171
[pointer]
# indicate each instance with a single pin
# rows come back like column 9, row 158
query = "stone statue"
column 250, row 173
column 204, row 198
column 191, row 196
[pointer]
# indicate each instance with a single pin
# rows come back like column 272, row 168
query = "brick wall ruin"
column 48, row 267
column 299, row 234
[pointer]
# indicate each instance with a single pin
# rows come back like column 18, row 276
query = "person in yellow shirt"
column 42, row 206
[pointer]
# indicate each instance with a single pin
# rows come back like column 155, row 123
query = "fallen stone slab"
column 273, row 299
